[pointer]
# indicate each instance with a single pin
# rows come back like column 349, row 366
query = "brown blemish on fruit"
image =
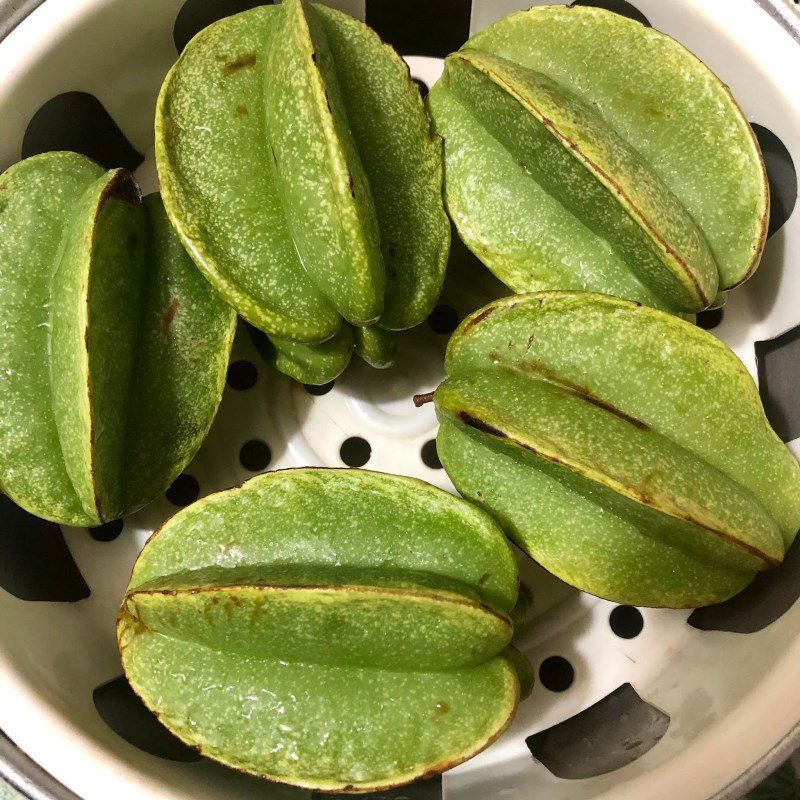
column 637, row 423
column 242, row 62
column 473, row 321
column 230, row 597
column 647, row 484
column 576, row 389
column 642, row 496
column 169, row 315
column 241, row 111
column 770, row 561
column 484, row 578
column 121, row 187
column 442, row 708
column 129, row 625
column 480, row 425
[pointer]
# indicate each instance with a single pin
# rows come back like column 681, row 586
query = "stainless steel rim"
column 25, row 775
column 785, row 13
column 12, row 12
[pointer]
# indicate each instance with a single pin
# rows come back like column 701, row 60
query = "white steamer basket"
column 628, row 705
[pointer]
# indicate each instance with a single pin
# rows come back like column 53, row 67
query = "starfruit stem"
column 421, row 399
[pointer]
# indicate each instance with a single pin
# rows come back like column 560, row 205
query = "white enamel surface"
column 731, row 697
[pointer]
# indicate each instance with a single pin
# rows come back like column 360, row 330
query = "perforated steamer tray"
column 628, row 704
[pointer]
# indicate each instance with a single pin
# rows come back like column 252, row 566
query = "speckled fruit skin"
column 114, row 349
column 338, row 630
column 298, row 166
column 624, row 449
column 586, row 151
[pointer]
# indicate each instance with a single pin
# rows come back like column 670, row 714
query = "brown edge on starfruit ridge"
column 761, row 237
column 297, row 25
column 555, row 297
column 433, row 138
column 607, row 180
column 477, row 317
column 247, row 306
column 341, row 788
column 581, row 391
column 128, row 610
column 122, row 185
column 474, row 319
column 637, row 496
column 432, row 595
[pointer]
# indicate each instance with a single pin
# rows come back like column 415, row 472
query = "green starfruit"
column 338, row 630
column 586, row 151
column 622, row 448
column 311, row 364
column 114, row 350
column 297, row 165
